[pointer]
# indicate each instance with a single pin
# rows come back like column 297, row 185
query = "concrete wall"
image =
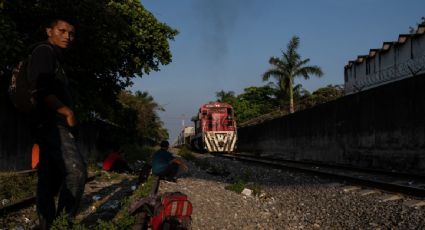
column 383, row 127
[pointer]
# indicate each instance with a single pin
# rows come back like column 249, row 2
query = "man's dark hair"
column 164, row 144
column 54, row 20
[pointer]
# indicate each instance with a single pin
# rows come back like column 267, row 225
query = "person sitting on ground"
column 114, row 161
column 164, row 164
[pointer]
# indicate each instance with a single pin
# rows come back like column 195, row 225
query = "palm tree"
column 223, row 96
column 284, row 70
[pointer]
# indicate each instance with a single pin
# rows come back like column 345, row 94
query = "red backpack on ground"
column 172, row 211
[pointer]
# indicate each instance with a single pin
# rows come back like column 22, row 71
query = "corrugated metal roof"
column 402, row 38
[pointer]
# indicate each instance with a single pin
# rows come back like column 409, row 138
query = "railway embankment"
column 285, row 199
column 270, row 199
column 383, row 128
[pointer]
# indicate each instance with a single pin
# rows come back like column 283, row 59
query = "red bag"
column 173, row 211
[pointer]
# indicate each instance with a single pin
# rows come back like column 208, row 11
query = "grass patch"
column 121, row 221
column 14, row 186
column 142, row 191
column 92, row 165
column 239, row 186
column 186, row 154
column 256, row 188
column 111, row 176
column 135, row 152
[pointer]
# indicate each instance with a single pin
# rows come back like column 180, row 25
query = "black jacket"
column 47, row 74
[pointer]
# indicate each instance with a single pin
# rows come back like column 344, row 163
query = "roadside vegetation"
column 122, row 219
column 244, row 181
column 15, row 187
column 240, row 185
column 185, row 153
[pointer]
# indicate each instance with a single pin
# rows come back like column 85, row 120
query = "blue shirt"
column 161, row 159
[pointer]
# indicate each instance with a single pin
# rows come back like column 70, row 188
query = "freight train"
column 215, row 128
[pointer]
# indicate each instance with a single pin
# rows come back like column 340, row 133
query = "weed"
column 14, row 186
column 92, row 165
column 186, row 154
column 134, row 152
column 239, row 186
column 142, row 191
column 256, row 188
column 236, row 187
column 63, row 222
column 111, row 176
column 122, row 220
column 101, row 225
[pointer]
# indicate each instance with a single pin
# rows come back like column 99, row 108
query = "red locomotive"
column 215, row 128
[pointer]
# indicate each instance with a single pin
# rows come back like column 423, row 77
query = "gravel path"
column 288, row 200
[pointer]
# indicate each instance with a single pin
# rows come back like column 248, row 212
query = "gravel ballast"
column 288, row 200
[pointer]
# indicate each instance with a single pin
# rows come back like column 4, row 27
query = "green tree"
column 139, row 117
column 253, row 102
column 261, row 97
column 288, row 67
column 227, row 97
column 116, row 42
column 321, row 95
column 328, row 93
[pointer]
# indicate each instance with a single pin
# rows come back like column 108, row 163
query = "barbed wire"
column 409, row 68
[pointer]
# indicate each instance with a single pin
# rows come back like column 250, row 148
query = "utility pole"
column 183, row 118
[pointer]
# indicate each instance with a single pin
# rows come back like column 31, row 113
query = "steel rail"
column 340, row 166
column 26, row 202
column 31, row 171
column 391, row 187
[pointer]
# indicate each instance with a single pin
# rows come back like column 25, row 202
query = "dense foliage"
column 117, row 41
column 255, row 102
column 139, row 117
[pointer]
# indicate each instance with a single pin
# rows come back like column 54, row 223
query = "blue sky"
column 226, row 44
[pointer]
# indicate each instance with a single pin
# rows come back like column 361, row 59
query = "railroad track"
column 412, row 185
column 26, row 202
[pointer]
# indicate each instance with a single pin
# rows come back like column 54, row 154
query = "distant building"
column 394, row 61
column 184, row 135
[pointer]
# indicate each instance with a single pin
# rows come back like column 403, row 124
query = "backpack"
column 21, row 91
column 172, row 211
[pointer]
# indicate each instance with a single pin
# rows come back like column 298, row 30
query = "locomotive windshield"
column 217, row 110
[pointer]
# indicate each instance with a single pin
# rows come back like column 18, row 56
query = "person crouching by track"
column 114, row 162
column 165, row 165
